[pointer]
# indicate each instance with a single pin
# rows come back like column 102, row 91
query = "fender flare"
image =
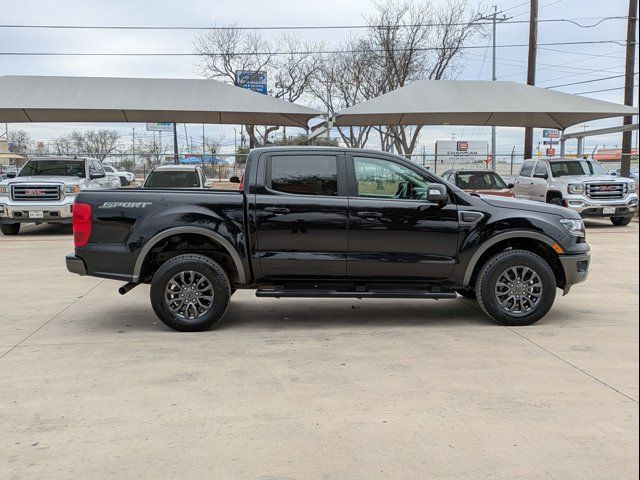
column 216, row 237
column 496, row 239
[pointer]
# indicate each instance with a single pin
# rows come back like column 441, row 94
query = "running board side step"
column 341, row 294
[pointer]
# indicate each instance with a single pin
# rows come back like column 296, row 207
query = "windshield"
column 577, row 167
column 480, row 181
column 50, row 168
column 169, row 179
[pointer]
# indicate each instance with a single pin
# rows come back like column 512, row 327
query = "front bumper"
column 76, row 264
column 576, row 268
column 38, row 212
column 588, row 207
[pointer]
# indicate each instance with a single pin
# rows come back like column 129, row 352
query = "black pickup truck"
column 329, row 222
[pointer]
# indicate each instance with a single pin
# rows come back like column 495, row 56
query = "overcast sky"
column 556, row 64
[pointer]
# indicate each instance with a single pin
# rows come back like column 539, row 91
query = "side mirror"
column 12, row 174
column 94, row 176
column 234, row 179
column 437, row 193
column 510, row 185
column 541, row 175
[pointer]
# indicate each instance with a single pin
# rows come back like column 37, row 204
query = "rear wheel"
column 10, row 228
column 620, row 221
column 190, row 293
column 516, row 287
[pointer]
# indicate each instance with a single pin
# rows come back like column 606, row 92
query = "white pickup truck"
column 45, row 188
column 580, row 184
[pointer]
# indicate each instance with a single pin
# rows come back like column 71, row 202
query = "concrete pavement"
column 92, row 385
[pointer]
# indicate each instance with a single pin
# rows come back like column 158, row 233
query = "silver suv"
column 45, row 188
column 580, row 184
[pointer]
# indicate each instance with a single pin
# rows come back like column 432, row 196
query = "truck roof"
column 280, row 148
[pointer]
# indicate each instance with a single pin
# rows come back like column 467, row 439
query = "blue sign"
column 253, row 80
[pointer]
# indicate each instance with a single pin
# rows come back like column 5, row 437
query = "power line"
column 586, row 81
column 603, row 90
column 299, row 27
column 308, row 52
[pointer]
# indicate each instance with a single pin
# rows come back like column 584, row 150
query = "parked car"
column 483, row 182
column 45, row 188
column 125, row 178
column 632, row 174
column 580, row 184
column 176, row 176
column 329, row 223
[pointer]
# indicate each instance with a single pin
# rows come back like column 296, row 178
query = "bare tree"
column 20, row 142
column 95, row 143
column 150, row 149
column 227, row 51
column 61, row 145
column 416, row 41
column 345, row 79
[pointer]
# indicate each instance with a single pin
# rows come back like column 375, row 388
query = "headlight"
column 575, row 188
column 574, row 227
column 72, row 189
column 4, row 189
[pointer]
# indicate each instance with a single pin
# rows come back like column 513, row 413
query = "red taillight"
column 241, row 184
column 81, row 224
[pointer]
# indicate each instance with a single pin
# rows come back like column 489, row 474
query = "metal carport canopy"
column 462, row 102
column 103, row 99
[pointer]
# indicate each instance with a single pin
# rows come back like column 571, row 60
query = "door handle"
column 277, row 210
column 369, row 214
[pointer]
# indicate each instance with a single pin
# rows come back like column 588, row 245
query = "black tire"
column 124, row 182
column 163, row 294
column 620, row 221
column 497, row 266
column 467, row 293
column 10, row 228
column 556, row 201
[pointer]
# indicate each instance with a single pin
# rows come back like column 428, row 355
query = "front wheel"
column 620, row 221
column 10, row 228
column 556, row 201
column 190, row 293
column 516, row 287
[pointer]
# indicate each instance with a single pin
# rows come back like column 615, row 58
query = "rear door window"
column 305, row 175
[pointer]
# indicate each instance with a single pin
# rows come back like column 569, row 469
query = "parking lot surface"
column 92, row 385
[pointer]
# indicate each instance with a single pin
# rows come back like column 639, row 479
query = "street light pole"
column 494, row 20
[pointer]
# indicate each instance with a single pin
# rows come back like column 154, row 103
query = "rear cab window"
column 304, row 174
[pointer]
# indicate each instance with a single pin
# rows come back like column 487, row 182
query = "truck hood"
column 589, row 178
column 529, row 206
column 42, row 179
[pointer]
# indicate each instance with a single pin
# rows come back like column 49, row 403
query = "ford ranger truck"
column 580, row 184
column 329, row 223
column 45, row 188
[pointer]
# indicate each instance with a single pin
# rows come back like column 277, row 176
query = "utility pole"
column 133, row 144
column 494, row 20
column 531, row 70
column 175, row 145
column 627, row 137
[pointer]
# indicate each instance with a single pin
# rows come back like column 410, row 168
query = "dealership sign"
column 253, row 80
column 461, row 151
column 159, row 127
column 547, row 133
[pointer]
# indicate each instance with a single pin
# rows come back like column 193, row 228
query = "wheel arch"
column 554, row 194
column 224, row 244
column 532, row 241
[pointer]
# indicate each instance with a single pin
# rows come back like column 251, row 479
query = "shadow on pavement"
column 248, row 314
column 33, row 230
